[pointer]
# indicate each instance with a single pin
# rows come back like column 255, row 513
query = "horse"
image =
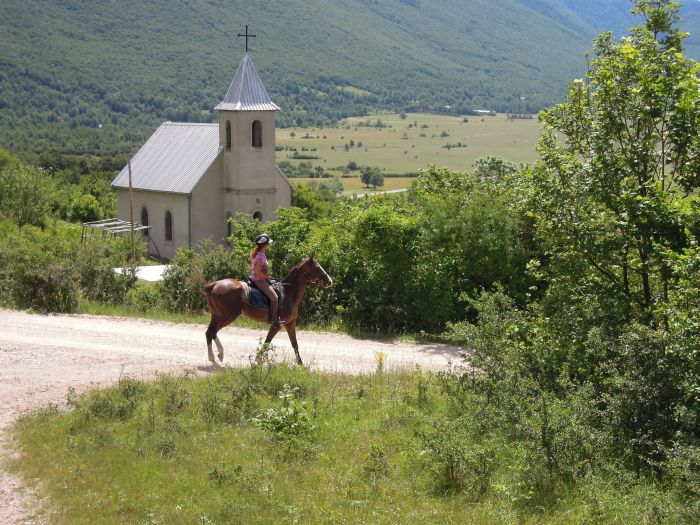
column 225, row 299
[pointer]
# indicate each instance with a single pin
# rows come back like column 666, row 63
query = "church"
column 189, row 178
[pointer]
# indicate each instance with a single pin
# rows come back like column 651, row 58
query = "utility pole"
column 131, row 216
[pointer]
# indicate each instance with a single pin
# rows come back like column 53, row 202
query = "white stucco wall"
column 283, row 198
column 157, row 203
column 207, row 207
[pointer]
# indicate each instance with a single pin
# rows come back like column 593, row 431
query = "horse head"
column 314, row 272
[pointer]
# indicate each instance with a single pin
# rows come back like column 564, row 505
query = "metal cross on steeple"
column 247, row 36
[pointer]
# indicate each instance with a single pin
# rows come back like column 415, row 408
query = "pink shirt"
column 260, row 267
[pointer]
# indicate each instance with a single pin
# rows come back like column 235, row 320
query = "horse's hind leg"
column 216, row 325
column 211, row 335
column 219, row 347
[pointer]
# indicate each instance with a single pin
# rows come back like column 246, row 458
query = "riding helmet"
column 263, row 238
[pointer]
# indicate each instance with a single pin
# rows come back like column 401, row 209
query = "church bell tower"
column 247, row 137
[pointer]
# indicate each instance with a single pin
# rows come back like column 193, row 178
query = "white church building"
column 187, row 179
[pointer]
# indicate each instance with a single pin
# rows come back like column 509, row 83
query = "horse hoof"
column 221, row 357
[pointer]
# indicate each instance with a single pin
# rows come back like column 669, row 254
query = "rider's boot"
column 275, row 318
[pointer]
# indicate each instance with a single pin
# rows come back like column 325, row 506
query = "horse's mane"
column 290, row 277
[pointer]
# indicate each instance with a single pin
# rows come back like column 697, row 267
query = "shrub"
column 457, row 462
column 181, row 287
column 37, row 269
column 48, row 288
column 143, row 298
column 96, row 264
column 684, row 468
column 24, row 194
column 290, row 419
column 646, row 403
column 376, row 465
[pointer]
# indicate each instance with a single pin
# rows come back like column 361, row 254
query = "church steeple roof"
column 247, row 92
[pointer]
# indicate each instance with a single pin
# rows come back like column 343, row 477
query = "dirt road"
column 42, row 356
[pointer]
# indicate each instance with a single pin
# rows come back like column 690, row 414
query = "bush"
column 376, row 465
column 456, row 461
column 181, row 287
column 96, row 264
column 48, row 288
column 143, row 298
column 290, row 419
column 684, row 468
column 645, row 396
column 37, row 271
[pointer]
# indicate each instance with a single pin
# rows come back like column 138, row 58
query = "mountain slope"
column 69, row 67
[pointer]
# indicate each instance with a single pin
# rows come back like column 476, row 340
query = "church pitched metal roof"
column 174, row 159
column 247, row 92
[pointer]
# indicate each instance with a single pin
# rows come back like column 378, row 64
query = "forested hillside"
column 80, row 76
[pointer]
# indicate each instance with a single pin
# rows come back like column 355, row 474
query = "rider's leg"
column 265, row 288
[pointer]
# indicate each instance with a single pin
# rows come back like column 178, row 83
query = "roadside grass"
column 275, row 444
column 336, row 325
column 86, row 306
column 411, row 144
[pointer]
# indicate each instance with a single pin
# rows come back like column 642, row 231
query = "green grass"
column 335, row 325
column 339, row 449
column 399, row 148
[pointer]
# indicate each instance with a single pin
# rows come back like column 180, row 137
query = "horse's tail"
column 197, row 280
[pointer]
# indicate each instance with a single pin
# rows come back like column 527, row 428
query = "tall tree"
column 377, row 179
column 24, row 195
column 615, row 158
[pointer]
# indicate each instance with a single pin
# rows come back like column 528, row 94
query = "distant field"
column 411, row 144
column 354, row 184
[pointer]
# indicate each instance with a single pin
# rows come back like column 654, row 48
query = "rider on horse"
column 259, row 274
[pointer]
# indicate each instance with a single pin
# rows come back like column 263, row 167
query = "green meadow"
column 353, row 184
column 399, row 145
column 274, row 444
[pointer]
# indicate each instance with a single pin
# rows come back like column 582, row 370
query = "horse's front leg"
column 292, row 332
column 272, row 333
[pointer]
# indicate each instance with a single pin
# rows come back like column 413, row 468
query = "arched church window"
column 144, row 220
column 257, row 216
column 228, row 134
column 257, row 134
column 229, row 227
column 168, row 226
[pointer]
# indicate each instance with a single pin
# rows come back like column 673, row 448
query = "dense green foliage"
column 400, row 263
column 24, row 195
column 271, row 444
column 72, row 82
column 606, row 362
column 48, row 270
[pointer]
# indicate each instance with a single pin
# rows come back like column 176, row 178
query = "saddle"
column 257, row 298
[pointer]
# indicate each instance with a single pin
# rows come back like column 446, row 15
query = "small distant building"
column 188, row 179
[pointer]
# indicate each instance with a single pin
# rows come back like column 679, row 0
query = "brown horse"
column 225, row 299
